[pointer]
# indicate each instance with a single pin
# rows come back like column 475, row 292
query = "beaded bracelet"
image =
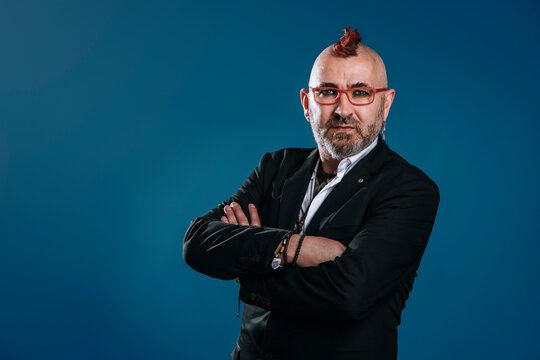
column 298, row 250
column 284, row 243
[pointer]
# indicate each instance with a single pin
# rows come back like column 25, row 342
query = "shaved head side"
column 360, row 51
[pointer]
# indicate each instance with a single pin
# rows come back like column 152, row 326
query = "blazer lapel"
column 355, row 180
column 294, row 190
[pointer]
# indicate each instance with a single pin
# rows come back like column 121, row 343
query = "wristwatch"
column 276, row 263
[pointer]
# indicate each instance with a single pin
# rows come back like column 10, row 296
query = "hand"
column 235, row 215
column 314, row 250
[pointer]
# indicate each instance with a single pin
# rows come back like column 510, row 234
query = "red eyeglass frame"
column 346, row 91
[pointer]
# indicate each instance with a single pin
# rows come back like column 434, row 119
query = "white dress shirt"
column 312, row 204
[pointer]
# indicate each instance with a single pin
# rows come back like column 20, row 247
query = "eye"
column 327, row 92
column 361, row 92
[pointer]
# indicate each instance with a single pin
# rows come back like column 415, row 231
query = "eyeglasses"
column 357, row 95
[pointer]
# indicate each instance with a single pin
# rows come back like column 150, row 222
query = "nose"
column 344, row 108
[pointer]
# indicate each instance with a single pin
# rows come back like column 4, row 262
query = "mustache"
column 339, row 120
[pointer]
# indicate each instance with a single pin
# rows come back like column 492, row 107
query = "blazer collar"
column 357, row 179
column 295, row 187
column 294, row 190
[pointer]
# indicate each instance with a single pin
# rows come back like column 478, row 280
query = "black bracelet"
column 298, row 250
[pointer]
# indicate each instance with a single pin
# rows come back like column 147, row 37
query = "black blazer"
column 383, row 210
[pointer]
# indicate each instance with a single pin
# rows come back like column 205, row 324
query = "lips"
column 343, row 127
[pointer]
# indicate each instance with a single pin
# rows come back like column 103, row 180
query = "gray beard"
column 348, row 148
column 343, row 150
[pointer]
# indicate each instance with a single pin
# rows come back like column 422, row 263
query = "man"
column 325, row 242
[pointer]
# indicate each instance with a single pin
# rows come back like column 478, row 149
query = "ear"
column 388, row 100
column 304, row 99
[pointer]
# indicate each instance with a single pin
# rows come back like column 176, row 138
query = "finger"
column 230, row 215
column 240, row 216
column 254, row 215
column 224, row 219
column 237, row 280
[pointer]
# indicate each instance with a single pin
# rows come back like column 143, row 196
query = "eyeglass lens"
column 357, row 96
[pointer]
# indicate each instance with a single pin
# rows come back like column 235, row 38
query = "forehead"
column 344, row 72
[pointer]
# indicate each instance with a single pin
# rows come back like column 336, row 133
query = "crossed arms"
column 314, row 249
column 382, row 255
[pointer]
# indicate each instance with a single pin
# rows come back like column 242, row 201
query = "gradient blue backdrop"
column 114, row 135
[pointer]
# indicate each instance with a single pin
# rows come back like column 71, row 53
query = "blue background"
column 114, row 135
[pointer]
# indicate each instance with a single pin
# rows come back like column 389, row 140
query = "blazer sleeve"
column 226, row 251
column 381, row 256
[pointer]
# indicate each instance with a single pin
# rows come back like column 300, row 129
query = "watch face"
column 276, row 263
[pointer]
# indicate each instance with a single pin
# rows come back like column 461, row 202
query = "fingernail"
column 232, row 204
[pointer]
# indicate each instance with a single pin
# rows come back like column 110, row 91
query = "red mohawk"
column 346, row 46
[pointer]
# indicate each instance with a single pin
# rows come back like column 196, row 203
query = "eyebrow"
column 355, row 85
column 360, row 84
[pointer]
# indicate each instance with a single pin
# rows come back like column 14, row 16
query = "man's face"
column 344, row 129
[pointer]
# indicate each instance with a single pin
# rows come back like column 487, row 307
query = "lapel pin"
column 360, row 180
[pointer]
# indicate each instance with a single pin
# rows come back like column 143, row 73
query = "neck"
column 329, row 164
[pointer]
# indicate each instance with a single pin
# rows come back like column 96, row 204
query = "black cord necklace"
column 322, row 179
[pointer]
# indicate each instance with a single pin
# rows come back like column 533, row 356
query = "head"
column 344, row 129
